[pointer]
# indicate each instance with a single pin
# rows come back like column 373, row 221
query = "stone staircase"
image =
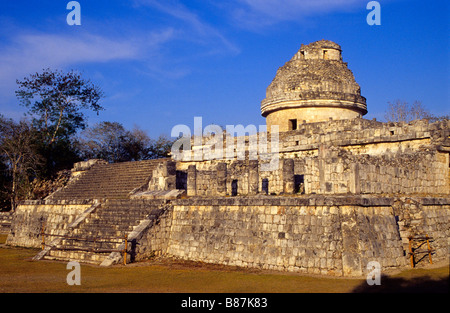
column 107, row 181
column 102, row 233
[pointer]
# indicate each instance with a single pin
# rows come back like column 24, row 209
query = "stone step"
column 81, row 256
column 108, row 181
column 71, row 244
column 102, row 233
column 104, row 229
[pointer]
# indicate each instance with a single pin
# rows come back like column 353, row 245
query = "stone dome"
column 315, row 85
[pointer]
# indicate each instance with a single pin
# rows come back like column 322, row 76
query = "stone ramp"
column 104, row 231
column 107, row 181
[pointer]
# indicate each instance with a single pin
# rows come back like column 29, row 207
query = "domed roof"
column 316, row 72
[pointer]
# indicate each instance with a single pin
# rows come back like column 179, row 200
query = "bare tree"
column 400, row 111
column 17, row 147
column 112, row 142
column 418, row 111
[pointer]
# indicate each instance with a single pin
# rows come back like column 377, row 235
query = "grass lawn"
column 19, row 274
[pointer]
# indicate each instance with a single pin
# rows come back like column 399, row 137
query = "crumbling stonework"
column 5, row 222
column 286, row 234
column 33, row 217
column 313, row 86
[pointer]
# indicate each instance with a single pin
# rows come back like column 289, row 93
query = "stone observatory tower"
column 314, row 86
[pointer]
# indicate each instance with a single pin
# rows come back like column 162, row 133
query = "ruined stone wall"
column 234, row 177
column 206, row 183
column 358, row 135
column 351, row 156
column 310, row 114
column 333, row 236
column 5, row 222
column 31, row 216
column 361, row 136
column 163, row 177
column 155, row 240
column 333, row 171
column 425, row 217
column 336, row 171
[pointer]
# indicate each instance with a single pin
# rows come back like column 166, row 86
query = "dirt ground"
column 19, row 274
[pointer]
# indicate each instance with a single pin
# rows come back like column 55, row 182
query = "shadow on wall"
column 423, row 284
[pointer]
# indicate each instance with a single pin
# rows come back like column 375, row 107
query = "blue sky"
column 160, row 63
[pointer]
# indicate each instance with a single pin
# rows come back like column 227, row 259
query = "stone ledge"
column 59, row 202
column 363, row 201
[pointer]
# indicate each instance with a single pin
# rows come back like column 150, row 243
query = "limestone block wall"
column 206, row 183
column 425, row 217
column 217, row 178
column 333, row 170
column 436, row 220
column 348, row 156
column 31, row 216
column 333, row 236
column 316, row 112
column 361, row 136
column 155, row 240
column 336, row 171
column 419, row 173
column 5, row 222
column 163, row 177
column 357, row 135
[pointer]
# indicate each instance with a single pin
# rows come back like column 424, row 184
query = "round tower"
column 314, row 86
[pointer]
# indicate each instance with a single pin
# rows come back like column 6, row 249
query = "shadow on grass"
column 423, row 284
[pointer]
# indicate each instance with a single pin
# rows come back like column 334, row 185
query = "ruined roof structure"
column 314, row 86
column 346, row 190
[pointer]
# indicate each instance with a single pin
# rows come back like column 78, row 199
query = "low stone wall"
column 31, row 216
column 155, row 240
column 306, row 234
column 316, row 234
column 332, row 236
column 425, row 217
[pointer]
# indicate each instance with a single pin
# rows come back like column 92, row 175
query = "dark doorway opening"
column 234, row 188
column 265, row 186
column 292, row 124
column 299, row 184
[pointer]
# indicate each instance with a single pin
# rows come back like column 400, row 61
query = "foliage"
column 112, row 142
column 35, row 154
column 160, row 147
column 56, row 100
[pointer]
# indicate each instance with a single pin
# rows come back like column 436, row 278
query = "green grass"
column 19, row 274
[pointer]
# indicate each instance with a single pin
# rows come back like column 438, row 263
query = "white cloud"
column 195, row 29
column 30, row 52
column 261, row 13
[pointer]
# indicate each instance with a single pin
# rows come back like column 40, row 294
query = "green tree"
column 55, row 100
column 110, row 141
column 161, row 147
